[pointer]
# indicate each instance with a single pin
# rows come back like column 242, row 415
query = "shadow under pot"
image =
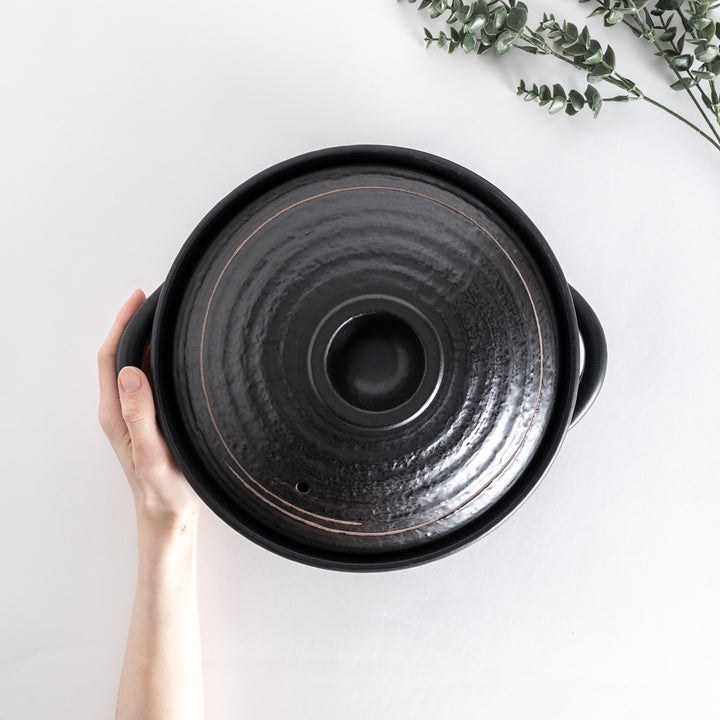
column 366, row 357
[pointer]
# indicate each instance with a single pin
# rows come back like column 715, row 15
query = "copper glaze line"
column 306, row 512
column 295, row 517
column 277, row 497
column 359, row 533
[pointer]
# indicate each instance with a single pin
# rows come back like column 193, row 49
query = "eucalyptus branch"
column 669, row 35
column 664, row 23
column 699, row 30
column 501, row 25
column 675, row 60
column 707, row 35
column 683, row 83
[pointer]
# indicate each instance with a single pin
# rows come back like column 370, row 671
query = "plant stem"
column 641, row 96
column 696, row 35
column 664, row 25
column 682, row 119
column 647, row 29
column 691, row 94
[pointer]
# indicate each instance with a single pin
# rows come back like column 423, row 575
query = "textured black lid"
column 362, row 357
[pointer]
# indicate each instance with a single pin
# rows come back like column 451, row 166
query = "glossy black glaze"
column 334, row 259
column 134, row 340
column 595, row 363
column 375, row 361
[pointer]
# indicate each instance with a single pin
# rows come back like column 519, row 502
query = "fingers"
column 149, row 450
column 110, row 413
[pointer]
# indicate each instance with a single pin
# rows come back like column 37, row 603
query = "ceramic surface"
column 366, row 357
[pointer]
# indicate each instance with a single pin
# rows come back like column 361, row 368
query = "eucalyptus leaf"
column 576, row 49
column 478, row 23
column 499, row 18
column 595, row 58
column 668, row 4
column 682, row 62
column 600, row 70
column 586, row 39
column 708, row 32
column 707, row 54
column 570, row 32
column 609, row 57
column 698, row 22
column 517, row 19
column 713, row 67
column 576, row 100
column 594, row 100
column 684, row 83
column 505, row 41
column 437, row 8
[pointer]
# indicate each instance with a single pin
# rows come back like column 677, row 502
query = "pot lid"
column 358, row 355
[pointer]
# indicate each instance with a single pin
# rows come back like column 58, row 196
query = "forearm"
column 162, row 673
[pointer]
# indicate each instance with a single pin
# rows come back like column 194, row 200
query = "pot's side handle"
column 593, row 371
column 136, row 335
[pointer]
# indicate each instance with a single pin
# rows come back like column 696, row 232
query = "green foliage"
column 682, row 32
column 558, row 99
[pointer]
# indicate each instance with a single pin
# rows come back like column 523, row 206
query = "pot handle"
column 593, row 371
column 136, row 335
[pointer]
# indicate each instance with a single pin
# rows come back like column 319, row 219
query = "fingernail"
column 129, row 380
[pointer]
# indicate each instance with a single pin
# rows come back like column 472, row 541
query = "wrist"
column 165, row 526
column 167, row 551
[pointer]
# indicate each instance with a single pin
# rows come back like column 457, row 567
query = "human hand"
column 163, row 497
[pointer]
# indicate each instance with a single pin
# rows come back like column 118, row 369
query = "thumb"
column 138, row 411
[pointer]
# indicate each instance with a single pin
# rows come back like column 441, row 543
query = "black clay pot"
column 364, row 358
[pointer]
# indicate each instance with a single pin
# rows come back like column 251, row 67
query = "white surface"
column 121, row 125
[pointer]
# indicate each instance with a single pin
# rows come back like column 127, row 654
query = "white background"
column 121, row 125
